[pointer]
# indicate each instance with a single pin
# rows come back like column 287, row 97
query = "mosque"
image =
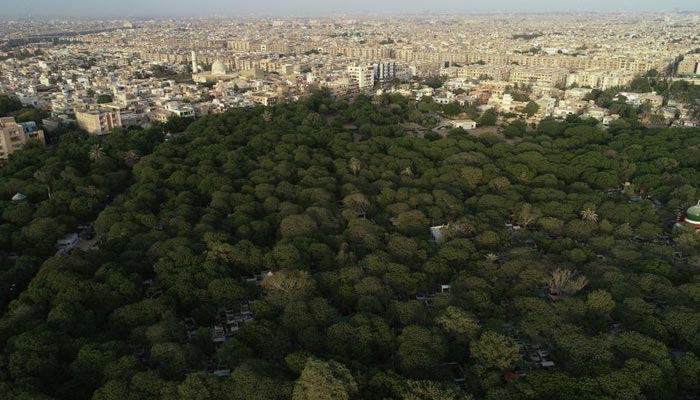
column 218, row 71
column 691, row 219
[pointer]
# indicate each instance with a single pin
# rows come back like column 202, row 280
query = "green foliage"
column 495, row 351
column 104, row 98
column 435, row 82
column 309, row 241
column 488, row 118
column 531, row 108
column 324, row 381
column 9, row 104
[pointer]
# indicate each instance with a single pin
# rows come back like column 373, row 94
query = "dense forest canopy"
column 287, row 252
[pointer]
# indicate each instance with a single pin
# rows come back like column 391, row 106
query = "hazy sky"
column 148, row 8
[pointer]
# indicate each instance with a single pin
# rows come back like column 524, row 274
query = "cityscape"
column 289, row 202
column 114, row 77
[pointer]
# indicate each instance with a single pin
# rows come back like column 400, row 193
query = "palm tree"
column 266, row 116
column 131, row 157
column 492, row 258
column 355, row 166
column 528, row 215
column 96, row 152
column 589, row 215
column 44, row 177
column 407, row 172
column 564, row 282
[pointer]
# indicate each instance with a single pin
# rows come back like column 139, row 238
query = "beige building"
column 362, row 74
column 262, row 98
column 538, row 76
column 689, row 66
column 99, row 122
column 14, row 136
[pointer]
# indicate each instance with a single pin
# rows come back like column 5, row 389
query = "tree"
column 488, row 118
column 688, row 372
column 564, row 282
column 198, row 386
column 9, row 104
column 528, row 215
column 495, row 351
column 600, row 304
column 430, row 390
column 96, row 152
column 355, row 166
column 458, row 324
column 420, row 351
column 412, row 223
column 256, row 380
column 104, row 98
column 589, row 215
column 451, row 109
column 321, row 380
column 298, row 225
column 358, row 203
column 283, row 287
column 531, row 108
column 435, row 82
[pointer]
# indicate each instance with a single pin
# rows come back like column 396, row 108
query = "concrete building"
column 384, row 71
column 466, row 124
column 14, row 136
column 99, row 122
column 538, row 76
column 195, row 66
column 262, row 98
column 689, row 66
column 362, row 74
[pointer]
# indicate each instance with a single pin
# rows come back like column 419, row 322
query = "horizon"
column 80, row 9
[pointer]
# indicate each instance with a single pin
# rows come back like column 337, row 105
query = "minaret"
column 195, row 67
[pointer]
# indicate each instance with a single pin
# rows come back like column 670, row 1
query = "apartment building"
column 689, row 66
column 99, row 122
column 384, row 71
column 362, row 74
column 600, row 79
column 538, row 76
column 14, row 136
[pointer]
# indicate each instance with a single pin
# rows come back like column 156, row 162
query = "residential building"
column 384, row 71
column 689, row 66
column 14, row 136
column 362, row 74
column 99, row 122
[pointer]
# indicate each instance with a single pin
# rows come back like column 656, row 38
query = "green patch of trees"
column 275, row 253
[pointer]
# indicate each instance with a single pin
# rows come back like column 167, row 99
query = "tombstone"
column 18, row 197
column 218, row 334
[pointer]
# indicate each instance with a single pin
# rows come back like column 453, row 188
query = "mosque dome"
column 693, row 214
column 218, row 68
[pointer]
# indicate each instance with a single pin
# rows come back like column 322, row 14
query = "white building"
column 362, row 74
column 465, row 124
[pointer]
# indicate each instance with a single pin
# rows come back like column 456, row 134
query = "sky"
column 228, row 8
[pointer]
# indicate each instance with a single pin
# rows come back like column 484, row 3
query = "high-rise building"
column 99, row 122
column 362, row 74
column 384, row 71
column 14, row 136
column 195, row 66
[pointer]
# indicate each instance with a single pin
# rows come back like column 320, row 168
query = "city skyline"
column 209, row 8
